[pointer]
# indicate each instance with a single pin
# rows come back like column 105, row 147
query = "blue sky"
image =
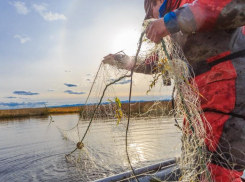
column 50, row 50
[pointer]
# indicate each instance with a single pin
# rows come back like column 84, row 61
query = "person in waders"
column 212, row 36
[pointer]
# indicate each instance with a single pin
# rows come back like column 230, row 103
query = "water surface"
column 33, row 149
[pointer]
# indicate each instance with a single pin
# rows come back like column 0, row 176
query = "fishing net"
column 93, row 155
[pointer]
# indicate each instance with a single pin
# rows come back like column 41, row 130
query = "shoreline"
column 28, row 112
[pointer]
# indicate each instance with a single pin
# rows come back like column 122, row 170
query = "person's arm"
column 148, row 66
column 206, row 15
column 122, row 61
column 199, row 16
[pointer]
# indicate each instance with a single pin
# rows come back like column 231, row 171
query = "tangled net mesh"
column 194, row 155
column 103, row 105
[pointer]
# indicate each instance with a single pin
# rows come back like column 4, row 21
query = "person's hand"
column 108, row 59
column 119, row 60
column 156, row 31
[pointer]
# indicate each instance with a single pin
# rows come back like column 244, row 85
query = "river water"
column 33, row 149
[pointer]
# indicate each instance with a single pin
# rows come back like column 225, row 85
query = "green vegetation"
column 119, row 113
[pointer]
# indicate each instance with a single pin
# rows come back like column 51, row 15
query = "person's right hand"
column 121, row 61
column 108, row 59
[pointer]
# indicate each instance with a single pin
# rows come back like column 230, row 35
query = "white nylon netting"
column 104, row 106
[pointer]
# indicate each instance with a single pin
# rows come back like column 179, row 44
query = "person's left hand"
column 156, row 31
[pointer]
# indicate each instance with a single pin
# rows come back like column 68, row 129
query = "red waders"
column 218, row 87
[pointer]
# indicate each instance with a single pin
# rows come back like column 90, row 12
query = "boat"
column 167, row 170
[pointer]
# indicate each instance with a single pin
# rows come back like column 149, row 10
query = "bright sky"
column 49, row 50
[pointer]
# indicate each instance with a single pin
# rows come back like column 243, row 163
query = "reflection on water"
column 32, row 149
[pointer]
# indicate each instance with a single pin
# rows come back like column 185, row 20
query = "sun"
column 126, row 40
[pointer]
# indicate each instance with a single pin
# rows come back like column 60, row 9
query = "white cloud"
column 49, row 16
column 23, row 39
column 39, row 8
column 20, row 7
